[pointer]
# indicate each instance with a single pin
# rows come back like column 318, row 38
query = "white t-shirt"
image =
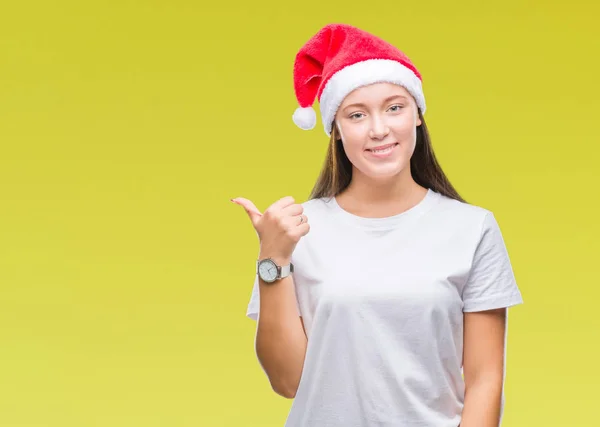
column 382, row 300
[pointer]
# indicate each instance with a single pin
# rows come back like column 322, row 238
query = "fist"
column 279, row 228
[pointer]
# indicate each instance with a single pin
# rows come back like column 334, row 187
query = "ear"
column 419, row 121
column 335, row 131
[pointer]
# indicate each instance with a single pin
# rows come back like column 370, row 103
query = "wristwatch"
column 270, row 272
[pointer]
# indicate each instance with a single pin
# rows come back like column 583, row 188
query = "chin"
column 383, row 172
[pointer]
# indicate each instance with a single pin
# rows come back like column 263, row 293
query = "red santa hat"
column 340, row 58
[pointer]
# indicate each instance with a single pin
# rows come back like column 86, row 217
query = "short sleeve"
column 254, row 304
column 491, row 283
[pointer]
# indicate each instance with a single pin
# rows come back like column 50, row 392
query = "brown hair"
column 336, row 172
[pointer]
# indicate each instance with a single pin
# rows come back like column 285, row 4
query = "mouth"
column 382, row 150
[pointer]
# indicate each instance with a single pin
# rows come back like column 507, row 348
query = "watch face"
column 267, row 270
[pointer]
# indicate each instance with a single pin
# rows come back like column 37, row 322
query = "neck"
column 368, row 196
column 372, row 190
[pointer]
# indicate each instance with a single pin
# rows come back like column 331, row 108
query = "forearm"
column 482, row 405
column 280, row 338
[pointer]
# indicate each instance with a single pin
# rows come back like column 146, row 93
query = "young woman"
column 380, row 301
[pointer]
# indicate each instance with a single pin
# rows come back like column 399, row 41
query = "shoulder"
column 459, row 213
column 316, row 203
column 316, row 208
column 463, row 221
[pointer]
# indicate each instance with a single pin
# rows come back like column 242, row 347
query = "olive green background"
column 126, row 127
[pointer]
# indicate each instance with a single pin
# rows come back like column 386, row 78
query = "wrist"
column 279, row 259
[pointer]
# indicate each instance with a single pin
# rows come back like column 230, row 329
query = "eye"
column 396, row 107
column 355, row 115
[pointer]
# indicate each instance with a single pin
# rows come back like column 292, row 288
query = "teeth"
column 385, row 150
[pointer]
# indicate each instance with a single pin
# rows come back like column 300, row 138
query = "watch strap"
column 285, row 270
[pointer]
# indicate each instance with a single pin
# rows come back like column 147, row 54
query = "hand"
column 279, row 229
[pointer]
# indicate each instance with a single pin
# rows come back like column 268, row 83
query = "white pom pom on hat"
column 305, row 118
column 340, row 58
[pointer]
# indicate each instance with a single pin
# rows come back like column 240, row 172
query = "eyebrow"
column 386, row 100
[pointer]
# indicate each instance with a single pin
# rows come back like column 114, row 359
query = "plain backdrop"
column 126, row 127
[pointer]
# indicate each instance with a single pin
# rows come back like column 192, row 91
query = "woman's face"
column 377, row 124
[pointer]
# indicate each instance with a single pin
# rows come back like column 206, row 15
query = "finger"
column 249, row 207
column 302, row 220
column 295, row 221
column 282, row 203
column 246, row 204
column 303, row 229
column 293, row 210
column 296, row 230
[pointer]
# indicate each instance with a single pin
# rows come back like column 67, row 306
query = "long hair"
column 336, row 172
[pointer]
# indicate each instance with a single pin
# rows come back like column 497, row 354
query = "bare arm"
column 483, row 367
column 280, row 337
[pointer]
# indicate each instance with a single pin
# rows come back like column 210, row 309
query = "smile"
column 382, row 151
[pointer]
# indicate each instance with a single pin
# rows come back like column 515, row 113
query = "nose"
column 379, row 128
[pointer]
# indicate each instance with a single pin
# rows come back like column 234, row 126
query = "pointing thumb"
column 249, row 207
